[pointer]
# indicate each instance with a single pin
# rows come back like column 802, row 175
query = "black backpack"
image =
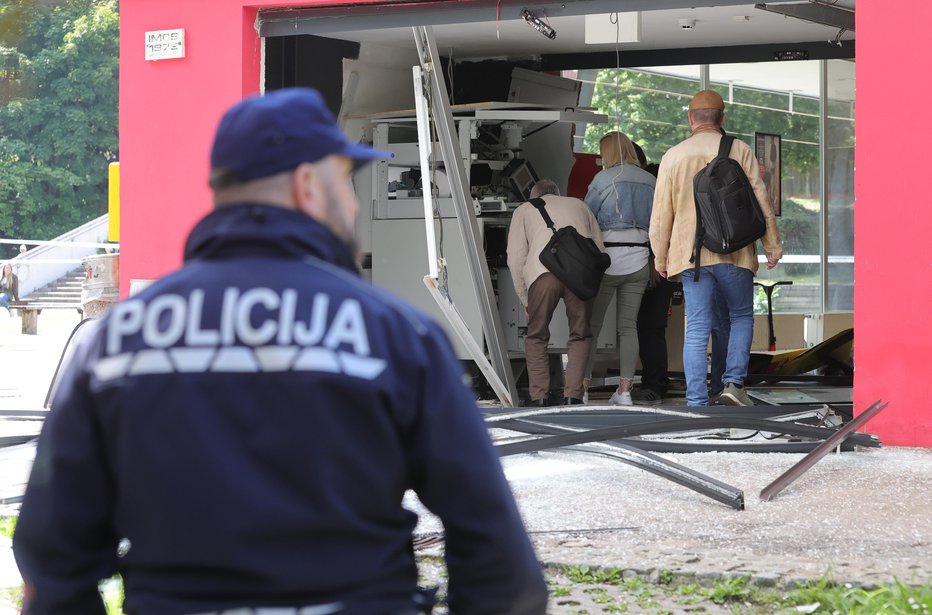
column 728, row 215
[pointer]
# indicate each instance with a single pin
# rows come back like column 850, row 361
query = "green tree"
column 650, row 108
column 59, row 66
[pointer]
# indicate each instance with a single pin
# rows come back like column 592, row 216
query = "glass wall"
column 839, row 181
column 644, row 104
column 779, row 99
column 782, row 99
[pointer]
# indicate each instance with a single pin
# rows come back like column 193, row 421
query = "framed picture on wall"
column 769, row 157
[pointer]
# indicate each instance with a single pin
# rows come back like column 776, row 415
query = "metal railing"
column 46, row 261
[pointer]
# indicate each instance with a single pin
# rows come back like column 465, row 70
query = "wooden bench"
column 29, row 312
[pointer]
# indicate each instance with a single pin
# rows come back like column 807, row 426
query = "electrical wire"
column 450, row 77
column 536, row 130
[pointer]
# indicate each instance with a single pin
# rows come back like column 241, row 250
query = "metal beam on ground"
column 667, row 426
column 681, row 475
column 784, row 480
column 628, row 453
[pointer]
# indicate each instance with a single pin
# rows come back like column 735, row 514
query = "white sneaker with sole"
column 621, row 399
column 734, row 396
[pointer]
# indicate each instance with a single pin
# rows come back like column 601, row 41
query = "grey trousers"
column 628, row 289
column 543, row 296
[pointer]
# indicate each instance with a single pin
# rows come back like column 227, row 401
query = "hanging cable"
column 450, row 78
column 613, row 18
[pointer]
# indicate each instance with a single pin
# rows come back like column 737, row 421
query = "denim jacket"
column 621, row 197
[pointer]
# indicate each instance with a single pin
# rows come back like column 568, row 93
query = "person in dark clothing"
column 652, row 337
column 238, row 437
column 652, row 325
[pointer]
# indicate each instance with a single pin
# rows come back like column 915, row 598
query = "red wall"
column 169, row 109
column 168, row 112
column 893, row 221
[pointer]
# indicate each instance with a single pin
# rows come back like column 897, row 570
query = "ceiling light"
column 536, row 23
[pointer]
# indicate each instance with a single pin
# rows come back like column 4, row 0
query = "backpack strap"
column 539, row 204
column 724, row 146
column 724, row 151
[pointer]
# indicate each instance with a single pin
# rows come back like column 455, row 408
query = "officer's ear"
column 307, row 191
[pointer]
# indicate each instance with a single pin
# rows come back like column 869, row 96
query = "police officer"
column 239, row 435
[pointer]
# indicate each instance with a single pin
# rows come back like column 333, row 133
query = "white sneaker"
column 621, row 399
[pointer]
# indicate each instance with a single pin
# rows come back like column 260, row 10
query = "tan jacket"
column 673, row 219
column 528, row 235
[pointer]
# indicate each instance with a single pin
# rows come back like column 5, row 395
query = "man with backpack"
column 681, row 236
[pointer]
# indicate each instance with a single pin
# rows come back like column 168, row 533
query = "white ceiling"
column 660, row 29
column 721, row 26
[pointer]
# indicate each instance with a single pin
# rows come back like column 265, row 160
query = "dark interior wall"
column 310, row 61
column 482, row 81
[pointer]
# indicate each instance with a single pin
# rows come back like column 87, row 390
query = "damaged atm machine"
column 434, row 219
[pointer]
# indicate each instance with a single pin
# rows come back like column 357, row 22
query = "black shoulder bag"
column 575, row 260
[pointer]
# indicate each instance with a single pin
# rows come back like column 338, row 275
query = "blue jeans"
column 721, row 327
column 734, row 286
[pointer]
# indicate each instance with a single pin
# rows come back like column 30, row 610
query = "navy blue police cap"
column 265, row 135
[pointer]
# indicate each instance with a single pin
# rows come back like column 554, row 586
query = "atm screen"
column 521, row 177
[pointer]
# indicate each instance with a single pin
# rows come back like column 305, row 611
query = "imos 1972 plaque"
column 165, row 44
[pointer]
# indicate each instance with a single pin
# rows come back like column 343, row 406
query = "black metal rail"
column 664, row 426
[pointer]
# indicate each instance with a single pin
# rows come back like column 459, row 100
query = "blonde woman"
column 621, row 196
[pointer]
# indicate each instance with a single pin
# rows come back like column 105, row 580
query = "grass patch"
column 892, row 599
column 112, row 592
column 612, row 593
column 8, row 525
column 592, row 576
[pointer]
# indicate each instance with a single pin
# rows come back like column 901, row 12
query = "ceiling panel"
column 512, row 37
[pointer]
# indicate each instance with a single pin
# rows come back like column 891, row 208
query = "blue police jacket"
column 621, row 197
column 242, row 432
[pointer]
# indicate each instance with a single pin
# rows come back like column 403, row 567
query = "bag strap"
column 626, row 244
column 539, row 204
column 724, row 146
column 724, row 151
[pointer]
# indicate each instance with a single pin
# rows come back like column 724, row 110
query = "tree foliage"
column 59, row 64
column 651, row 109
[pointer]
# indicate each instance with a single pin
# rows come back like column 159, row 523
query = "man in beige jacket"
column 540, row 291
column 728, row 278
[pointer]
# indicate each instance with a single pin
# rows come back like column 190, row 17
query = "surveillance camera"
column 687, row 24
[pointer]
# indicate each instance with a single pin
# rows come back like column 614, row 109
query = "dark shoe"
column 733, row 395
column 572, row 401
column 538, row 403
column 648, row 395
